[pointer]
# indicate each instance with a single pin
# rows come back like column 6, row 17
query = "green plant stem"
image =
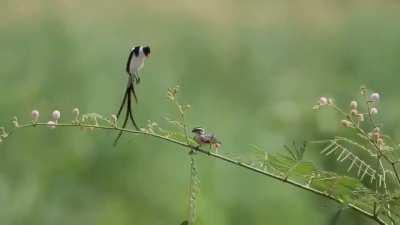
column 186, row 146
column 365, row 134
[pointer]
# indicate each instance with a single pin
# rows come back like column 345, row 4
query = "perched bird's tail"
column 127, row 100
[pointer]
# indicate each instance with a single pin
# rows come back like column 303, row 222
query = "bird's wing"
column 133, row 54
column 128, row 63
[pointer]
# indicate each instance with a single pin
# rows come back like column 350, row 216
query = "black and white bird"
column 134, row 64
column 202, row 138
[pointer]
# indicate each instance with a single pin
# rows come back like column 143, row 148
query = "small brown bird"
column 202, row 138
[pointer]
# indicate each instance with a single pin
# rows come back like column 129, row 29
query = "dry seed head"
column 380, row 141
column 354, row 112
column 375, row 136
column 346, row 123
column 353, row 104
column 114, row 120
column 373, row 111
column 15, row 121
column 316, row 107
column 376, row 130
column 363, row 90
column 75, row 111
column 360, row 117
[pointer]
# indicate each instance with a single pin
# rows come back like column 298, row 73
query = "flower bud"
column 323, row 101
column 375, row 136
column 354, row 112
column 113, row 120
column 363, row 90
column 346, row 123
column 15, row 121
column 360, row 117
column 353, row 104
column 316, row 107
column 375, row 97
column 56, row 115
column 75, row 111
column 373, row 111
column 380, row 141
column 376, row 130
column 51, row 124
column 35, row 116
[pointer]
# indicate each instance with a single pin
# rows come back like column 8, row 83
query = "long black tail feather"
column 134, row 93
column 123, row 126
column 127, row 100
column 130, row 111
column 123, row 102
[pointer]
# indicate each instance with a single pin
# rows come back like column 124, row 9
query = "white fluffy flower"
column 56, row 115
column 346, row 123
column 375, row 97
column 35, row 116
column 323, row 101
column 373, row 111
column 353, row 104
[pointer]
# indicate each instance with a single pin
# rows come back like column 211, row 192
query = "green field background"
column 251, row 71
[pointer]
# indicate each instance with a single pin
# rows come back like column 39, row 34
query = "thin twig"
column 186, row 146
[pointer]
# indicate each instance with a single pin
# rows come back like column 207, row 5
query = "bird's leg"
column 194, row 149
column 137, row 78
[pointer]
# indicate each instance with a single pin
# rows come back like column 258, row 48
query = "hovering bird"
column 202, row 138
column 134, row 64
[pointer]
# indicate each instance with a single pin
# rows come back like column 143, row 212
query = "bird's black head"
column 146, row 51
column 135, row 50
column 198, row 130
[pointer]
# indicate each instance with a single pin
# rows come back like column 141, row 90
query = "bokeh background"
column 250, row 69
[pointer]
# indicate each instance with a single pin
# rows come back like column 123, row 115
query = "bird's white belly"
column 136, row 65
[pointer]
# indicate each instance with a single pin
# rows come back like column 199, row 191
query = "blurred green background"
column 250, row 69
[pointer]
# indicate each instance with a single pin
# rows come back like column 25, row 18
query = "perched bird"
column 134, row 64
column 202, row 138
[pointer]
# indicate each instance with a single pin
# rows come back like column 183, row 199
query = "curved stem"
column 189, row 148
